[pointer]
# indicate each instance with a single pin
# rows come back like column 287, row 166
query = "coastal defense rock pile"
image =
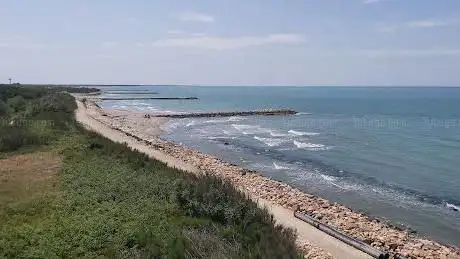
column 371, row 231
column 312, row 251
column 148, row 98
column 267, row 112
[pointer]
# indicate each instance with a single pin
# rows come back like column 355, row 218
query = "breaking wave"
column 307, row 145
column 302, row 133
column 302, row 113
column 277, row 134
column 235, row 118
column 250, row 129
column 279, row 167
column 231, row 119
column 452, row 206
column 271, row 142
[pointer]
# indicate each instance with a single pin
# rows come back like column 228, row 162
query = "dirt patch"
column 29, row 168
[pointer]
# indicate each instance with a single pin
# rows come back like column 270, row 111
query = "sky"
column 231, row 42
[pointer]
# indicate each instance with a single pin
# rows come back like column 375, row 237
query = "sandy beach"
column 143, row 134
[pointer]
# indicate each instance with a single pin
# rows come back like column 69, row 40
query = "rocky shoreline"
column 378, row 234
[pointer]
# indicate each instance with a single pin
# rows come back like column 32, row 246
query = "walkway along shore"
column 142, row 134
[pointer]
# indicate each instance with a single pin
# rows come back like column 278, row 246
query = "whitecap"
column 235, row 118
column 271, row 142
column 452, row 206
column 308, row 145
column 302, row 133
column 243, row 126
column 333, row 181
column 302, row 113
column 279, row 167
column 220, row 137
column 169, row 127
column 329, row 178
column 215, row 121
column 277, row 134
column 214, row 138
column 190, row 124
column 250, row 129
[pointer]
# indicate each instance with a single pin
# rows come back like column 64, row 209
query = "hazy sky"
column 231, row 42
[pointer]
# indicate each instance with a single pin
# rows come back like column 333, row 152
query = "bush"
column 3, row 108
column 53, row 102
column 12, row 139
column 17, row 103
column 253, row 228
column 84, row 90
column 38, row 115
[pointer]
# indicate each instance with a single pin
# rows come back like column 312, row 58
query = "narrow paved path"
column 312, row 235
column 305, row 232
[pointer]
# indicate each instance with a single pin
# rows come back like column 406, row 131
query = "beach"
column 378, row 234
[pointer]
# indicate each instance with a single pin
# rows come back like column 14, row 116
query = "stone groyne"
column 130, row 92
column 269, row 112
column 147, row 98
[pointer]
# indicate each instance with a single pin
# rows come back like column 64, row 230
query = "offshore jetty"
column 133, row 92
column 148, row 98
column 268, row 112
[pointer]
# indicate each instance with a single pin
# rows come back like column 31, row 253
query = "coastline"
column 258, row 187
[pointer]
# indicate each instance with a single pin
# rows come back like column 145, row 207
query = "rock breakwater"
column 269, row 112
column 147, row 98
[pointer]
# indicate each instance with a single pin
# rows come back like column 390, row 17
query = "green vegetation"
column 3, row 108
column 31, row 116
column 73, row 193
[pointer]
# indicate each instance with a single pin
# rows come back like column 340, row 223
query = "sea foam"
column 250, row 129
column 452, row 206
column 308, row 145
column 271, row 142
column 277, row 134
column 302, row 133
column 279, row 167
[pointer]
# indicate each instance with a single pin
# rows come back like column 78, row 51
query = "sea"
column 390, row 152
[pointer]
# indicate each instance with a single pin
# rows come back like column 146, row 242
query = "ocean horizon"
column 386, row 151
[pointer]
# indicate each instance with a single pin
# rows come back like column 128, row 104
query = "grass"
column 73, row 193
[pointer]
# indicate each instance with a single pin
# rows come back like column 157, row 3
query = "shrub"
column 3, row 108
column 17, row 103
column 12, row 139
column 52, row 102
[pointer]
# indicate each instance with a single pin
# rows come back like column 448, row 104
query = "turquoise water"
column 390, row 152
